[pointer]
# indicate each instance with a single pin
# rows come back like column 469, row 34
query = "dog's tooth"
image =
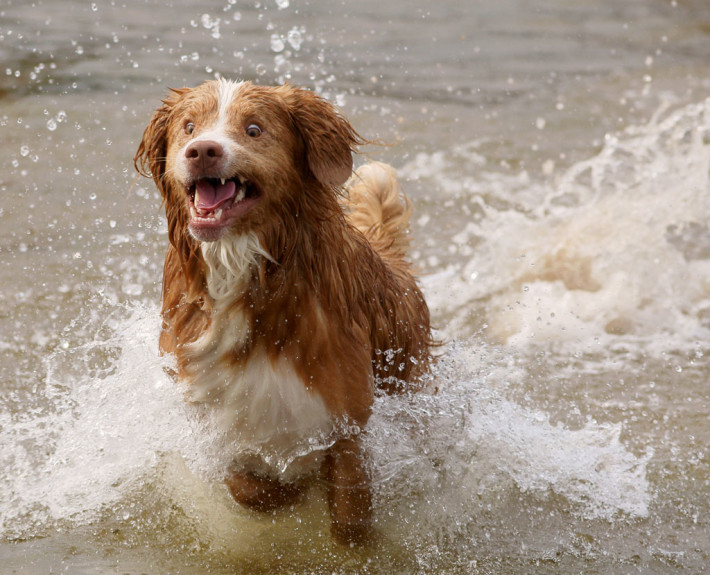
column 240, row 196
column 242, row 180
column 222, row 180
column 218, row 214
column 196, row 201
column 193, row 212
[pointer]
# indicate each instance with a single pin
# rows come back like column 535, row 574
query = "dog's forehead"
column 229, row 92
column 231, row 99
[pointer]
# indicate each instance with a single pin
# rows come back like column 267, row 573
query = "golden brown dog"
column 287, row 298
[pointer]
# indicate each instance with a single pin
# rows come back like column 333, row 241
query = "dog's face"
column 229, row 156
column 232, row 153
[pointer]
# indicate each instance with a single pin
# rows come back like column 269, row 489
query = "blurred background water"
column 557, row 155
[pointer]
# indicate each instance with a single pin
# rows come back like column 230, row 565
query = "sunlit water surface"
column 557, row 156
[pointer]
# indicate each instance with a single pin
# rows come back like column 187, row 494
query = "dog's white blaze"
column 228, row 89
column 262, row 404
column 218, row 132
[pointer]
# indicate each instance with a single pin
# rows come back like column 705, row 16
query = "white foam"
column 618, row 246
column 113, row 430
column 108, row 412
column 468, row 443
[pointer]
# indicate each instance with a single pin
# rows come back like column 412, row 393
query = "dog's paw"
column 352, row 534
column 261, row 493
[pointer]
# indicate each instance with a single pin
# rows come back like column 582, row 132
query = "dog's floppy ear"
column 150, row 160
column 329, row 138
column 151, row 155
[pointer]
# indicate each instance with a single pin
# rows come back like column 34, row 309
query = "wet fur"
column 324, row 293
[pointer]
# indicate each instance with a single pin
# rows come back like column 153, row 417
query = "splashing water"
column 617, row 249
column 85, row 443
column 620, row 247
column 115, row 428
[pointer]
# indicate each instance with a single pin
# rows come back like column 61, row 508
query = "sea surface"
column 557, row 153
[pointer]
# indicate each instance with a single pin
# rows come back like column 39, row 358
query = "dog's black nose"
column 204, row 156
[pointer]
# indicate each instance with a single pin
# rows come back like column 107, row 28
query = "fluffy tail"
column 376, row 205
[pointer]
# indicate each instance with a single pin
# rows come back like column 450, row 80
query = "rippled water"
column 557, row 155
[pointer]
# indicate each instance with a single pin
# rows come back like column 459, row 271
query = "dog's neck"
column 230, row 263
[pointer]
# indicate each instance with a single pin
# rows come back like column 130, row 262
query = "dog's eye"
column 189, row 128
column 253, row 131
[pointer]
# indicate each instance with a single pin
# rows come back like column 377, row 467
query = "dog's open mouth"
column 215, row 202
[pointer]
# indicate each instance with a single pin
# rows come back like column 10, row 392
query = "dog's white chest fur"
column 261, row 403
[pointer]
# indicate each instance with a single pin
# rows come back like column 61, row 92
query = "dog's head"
column 229, row 158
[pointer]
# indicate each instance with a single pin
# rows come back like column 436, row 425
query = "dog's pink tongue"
column 209, row 196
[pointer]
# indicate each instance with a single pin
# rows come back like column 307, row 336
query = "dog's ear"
column 329, row 138
column 150, row 161
column 150, row 157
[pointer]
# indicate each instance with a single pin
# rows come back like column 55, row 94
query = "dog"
column 287, row 298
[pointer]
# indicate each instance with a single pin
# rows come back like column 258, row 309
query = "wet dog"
column 287, row 296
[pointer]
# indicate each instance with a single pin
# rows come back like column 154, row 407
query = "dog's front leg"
column 349, row 496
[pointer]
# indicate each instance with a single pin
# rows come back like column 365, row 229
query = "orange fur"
column 326, row 299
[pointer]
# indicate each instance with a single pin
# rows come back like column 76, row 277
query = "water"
column 557, row 155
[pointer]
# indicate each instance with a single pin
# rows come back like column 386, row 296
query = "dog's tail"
column 376, row 205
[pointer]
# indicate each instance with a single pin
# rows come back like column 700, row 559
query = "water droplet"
column 277, row 43
column 61, row 116
column 295, row 38
column 24, row 151
column 282, row 64
column 94, row 7
column 51, row 124
column 282, row 4
column 260, row 69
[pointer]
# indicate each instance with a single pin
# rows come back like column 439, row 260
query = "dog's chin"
column 207, row 234
column 208, row 228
